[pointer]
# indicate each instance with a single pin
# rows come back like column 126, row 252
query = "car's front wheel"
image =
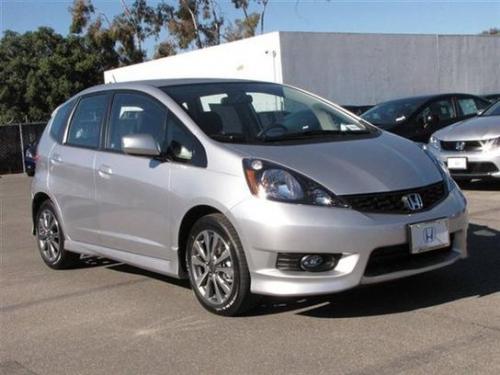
column 217, row 267
column 50, row 239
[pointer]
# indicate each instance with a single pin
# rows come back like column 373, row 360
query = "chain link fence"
column 14, row 138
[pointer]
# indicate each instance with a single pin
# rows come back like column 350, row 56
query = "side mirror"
column 480, row 112
column 179, row 152
column 140, row 145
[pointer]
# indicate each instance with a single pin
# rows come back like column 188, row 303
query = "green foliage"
column 189, row 24
column 494, row 31
column 41, row 69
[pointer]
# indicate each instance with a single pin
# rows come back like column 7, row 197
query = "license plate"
column 457, row 163
column 429, row 236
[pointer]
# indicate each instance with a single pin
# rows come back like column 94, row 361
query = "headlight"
column 434, row 142
column 490, row 144
column 450, row 183
column 273, row 182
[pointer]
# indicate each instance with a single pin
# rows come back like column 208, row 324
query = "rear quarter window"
column 60, row 120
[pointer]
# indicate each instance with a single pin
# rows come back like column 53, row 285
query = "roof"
column 423, row 98
column 160, row 83
column 178, row 81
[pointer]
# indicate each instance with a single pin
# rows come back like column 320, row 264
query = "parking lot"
column 109, row 318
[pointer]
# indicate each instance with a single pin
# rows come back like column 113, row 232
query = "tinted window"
column 389, row 114
column 136, row 114
column 467, row 106
column 494, row 110
column 87, row 120
column 60, row 120
column 481, row 104
column 179, row 135
column 443, row 109
column 247, row 112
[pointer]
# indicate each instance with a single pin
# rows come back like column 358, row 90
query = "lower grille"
column 391, row 259
column 461, row 146
column 392, row 202
column 477, row 168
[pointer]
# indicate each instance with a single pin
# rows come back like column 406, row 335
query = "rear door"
column 132, row 191
column 71, row 168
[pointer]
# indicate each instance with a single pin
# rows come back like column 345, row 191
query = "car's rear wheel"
column 50, row 239
column 217, row 267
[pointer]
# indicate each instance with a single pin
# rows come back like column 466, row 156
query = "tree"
column 494, row 31
column 190, row 24
column 41, row 69
column 125, row 34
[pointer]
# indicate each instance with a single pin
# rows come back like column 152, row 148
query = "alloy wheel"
column 49, row 235
column 212, row 267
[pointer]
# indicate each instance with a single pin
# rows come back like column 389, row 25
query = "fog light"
column 317, row 262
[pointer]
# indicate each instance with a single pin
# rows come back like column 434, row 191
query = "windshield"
column 494, row 110
column 247, row 112
column 387, row 115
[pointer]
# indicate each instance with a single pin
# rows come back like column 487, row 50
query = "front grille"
column 392, row 202
column 391, row 259
column 457, row 146
column 477, row 168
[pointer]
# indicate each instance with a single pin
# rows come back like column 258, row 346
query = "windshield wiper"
column 311, row 134
column 234, row 138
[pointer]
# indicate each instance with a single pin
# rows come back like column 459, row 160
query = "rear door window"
column 442, row 108
column 60, row 120
column 85, row 127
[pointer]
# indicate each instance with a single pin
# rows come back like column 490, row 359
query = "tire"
column 50, row 239
column 221, row 271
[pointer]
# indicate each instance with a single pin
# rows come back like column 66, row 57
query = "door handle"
column 56, row 159
column 105, row 171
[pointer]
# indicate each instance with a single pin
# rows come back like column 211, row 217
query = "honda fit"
column 245, row 188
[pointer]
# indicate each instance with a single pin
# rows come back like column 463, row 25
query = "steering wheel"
column 271, row 129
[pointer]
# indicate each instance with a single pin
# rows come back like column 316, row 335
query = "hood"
column 473, row 129
column 370, row 165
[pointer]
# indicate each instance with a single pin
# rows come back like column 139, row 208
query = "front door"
column 131, row 191
column 438, row 114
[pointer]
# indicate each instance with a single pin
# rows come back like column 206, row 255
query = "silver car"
column 471, row 148
column 246, row 188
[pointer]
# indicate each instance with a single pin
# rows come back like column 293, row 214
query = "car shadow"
column 90, row 261
column 476, row 276
column 121, row 267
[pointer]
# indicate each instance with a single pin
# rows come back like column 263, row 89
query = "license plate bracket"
column 428, row 236
column 457, row 163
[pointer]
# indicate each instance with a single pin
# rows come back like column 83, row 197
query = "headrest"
column 210, row 123
column 237, row 99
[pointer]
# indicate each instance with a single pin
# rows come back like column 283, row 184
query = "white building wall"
column 350, row 69
column 358, row 69
column 256, row 58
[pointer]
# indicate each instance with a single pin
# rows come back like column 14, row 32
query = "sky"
column 421, row 17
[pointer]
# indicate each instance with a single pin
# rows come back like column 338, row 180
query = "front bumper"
column 480, row 164
column 268, row 228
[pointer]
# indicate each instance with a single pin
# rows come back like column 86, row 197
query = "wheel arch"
column 191, row 216
column 36, row 203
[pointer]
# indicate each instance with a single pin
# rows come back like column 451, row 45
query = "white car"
column 471, row 148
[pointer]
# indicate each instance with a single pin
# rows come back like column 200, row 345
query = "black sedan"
column 418, row 117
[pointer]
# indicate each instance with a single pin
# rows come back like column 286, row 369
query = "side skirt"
column 162, row 266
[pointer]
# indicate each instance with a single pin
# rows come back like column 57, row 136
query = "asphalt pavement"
column 109, row 318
